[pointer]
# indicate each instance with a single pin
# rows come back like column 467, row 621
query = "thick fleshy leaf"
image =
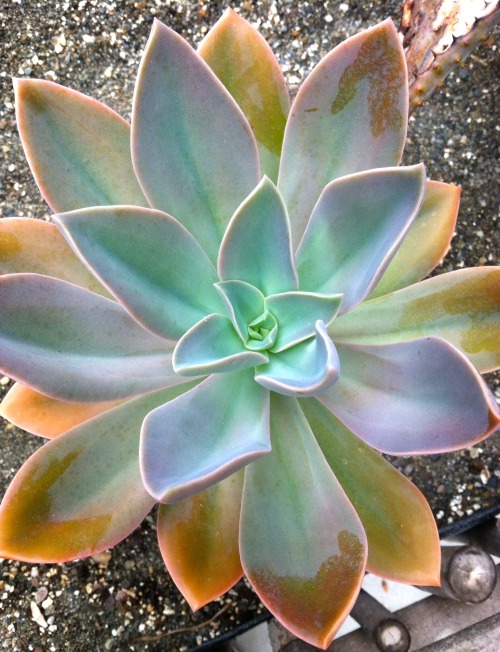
column 193, row 150
column 355, row 230
column 246, row 65
column 349, row 115
column 45, row 416
column 304, row 369
column 74, row 345
column 204, row 436
column 255, row 325
column 244, row 303
column 427, row 242
column 82, row 492
column 213, row 346
column 462, row 306
column 78, row 149
column 150, row 263
column 403, row 541
column 302, row 545
column 256, row 247
column 198, row 540
column 412, row 398
column 28, row 245
column 297, row 314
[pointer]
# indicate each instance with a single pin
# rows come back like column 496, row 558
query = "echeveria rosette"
column 260, row 330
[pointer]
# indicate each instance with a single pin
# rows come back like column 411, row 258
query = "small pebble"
column 41, row 594
column 37, row 615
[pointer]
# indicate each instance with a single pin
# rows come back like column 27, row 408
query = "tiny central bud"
column 262, row 332
column 258, row 334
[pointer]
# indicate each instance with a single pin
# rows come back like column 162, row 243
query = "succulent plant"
column 226, row 318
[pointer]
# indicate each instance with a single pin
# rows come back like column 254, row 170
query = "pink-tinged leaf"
column 82, row 492
column 349, row 115
column 193, row 150
column 150, row 263
column 246, row 65
column 78, row 149
column 256, row 247
column 198, row 540
column 403, row 541
column 74, row 345
column 304, row 369
column 28, row 245
column 204, row 436
column 45, row 416
column 427, row 241
column 462, row 306
column 355, row 230
column 302, row 545
column 213, row 346
column 412, row 398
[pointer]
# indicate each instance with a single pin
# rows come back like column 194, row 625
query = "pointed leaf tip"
column 198, row 539
column 427, row 241
column 349, row 115
column 355, row 230
column 307, row 575
column 243, row 61
column 257, row 247
column 82, row 492
column 78, row 148
column 171, row 143
column 403, row 541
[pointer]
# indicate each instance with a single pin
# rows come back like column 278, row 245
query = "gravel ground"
column 123, row 599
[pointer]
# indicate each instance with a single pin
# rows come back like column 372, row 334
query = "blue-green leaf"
column 256, row 247
column 355, row 230
column 297, row 314
column 302, row 545
column 213, row 346
column 304, row 369
column 192, row 148
column 149, row 261
column 204, row 436
column 75, row 345
column 244, row 303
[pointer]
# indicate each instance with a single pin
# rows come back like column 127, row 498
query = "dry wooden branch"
column 179, row 630
column 438, row 35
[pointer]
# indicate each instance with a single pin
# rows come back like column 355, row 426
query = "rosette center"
column 262, row 332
